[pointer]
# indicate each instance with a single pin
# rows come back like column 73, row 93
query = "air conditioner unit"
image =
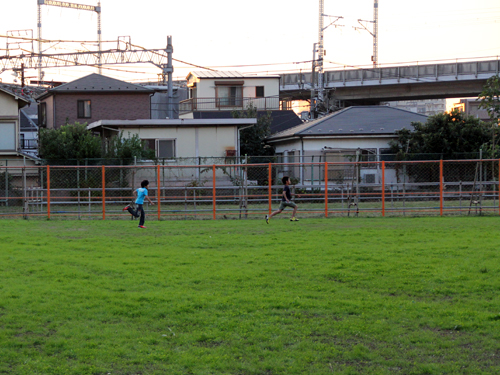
column 370, row 178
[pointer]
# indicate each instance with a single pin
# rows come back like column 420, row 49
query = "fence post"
column 441, row 187
column 383, row 188
column 270, row 190
column 213, row 190
column 48, row 192
column 159, row 191
column 103, row 194
column 326, row 189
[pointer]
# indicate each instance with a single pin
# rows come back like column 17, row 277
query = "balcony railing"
column 228, row 104
column 28, row 144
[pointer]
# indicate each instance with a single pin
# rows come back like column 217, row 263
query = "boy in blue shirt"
column 140, row 193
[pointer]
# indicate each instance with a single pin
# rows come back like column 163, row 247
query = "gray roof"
column 357, row 120
column 8, row 90
column 162, row 123
column 96, row 83
column 280, row 120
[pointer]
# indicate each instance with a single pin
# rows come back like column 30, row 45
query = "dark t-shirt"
column 288, row 194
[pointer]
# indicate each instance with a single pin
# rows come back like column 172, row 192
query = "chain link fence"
column 235, row 190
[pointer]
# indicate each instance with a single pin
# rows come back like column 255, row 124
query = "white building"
column 181, row 138
column 228, row 91
column 359, row 133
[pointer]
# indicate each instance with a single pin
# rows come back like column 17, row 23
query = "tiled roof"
column 357, row 120
column 99, row 83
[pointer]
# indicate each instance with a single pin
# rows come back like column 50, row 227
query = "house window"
column 193, row 93
column 229, row 95
column 84, row 109
column 259, row 91
column 42, row 114
column 21, row 141
column 386, row 154
column 7, row 136
column 164, row 148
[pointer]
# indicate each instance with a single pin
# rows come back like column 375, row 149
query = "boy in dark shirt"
column 286, row 201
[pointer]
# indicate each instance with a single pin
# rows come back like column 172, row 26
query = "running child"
column 286, row 201
column 140, row 193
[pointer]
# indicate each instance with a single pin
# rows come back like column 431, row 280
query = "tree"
column 118, row 147
column 74, row 142
column 445, row 134
column 490, row 98
column 69, row 142
column 252, row 140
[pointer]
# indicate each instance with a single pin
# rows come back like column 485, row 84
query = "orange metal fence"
column 224, row 191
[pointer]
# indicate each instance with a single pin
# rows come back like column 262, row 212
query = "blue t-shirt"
column 141, row 194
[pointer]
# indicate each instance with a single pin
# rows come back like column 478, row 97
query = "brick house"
column 93, row 98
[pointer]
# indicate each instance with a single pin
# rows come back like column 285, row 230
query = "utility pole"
column 170, row 70
column 98, row 10
column 167, row 73
column 321, row 50
column 374, row 34
column 313, row 86
column 39, row 27
column 318, row 64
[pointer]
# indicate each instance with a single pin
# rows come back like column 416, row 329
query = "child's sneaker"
column 267, row 219
column 294, row 219
column 141, row 226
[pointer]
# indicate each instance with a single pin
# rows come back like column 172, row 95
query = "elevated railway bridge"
column 409, row 82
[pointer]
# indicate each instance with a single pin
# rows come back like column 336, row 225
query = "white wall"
column 210, row 141
column 314, row 146
column 8, row 105
column 206, row 87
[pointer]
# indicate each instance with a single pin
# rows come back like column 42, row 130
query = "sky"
column 259, row 36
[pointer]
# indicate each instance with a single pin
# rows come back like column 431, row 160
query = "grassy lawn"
column 321, row 296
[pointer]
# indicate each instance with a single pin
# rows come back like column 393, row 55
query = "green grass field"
column 322, row 296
